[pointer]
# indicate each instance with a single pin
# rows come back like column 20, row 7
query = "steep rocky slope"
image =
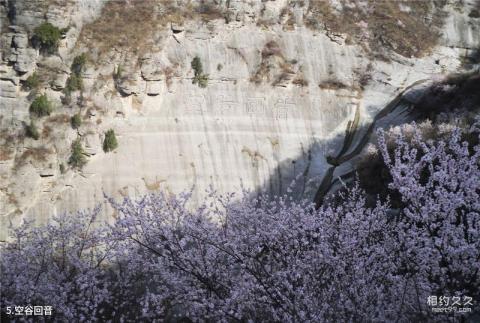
column 281, row 81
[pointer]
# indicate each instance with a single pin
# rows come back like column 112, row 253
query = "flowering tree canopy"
column 237, row 258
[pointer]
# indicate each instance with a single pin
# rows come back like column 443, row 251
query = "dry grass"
column 262, row 73
column 275, row 68
column 265, row 23
column 153, row 186
column 12, row 199
column 169, row 73
column 386, row 27
column 38, row 154
column 5, row 153
column 8, row 140
column 209, row 11
column 271, row 48
column 300, row 81
column 332, row 85
column 282, row 78
column 287, row 19
column 129, row 24
column 362, row 76
column 287, row 73
column 133, row 25
column 286, row 67
column 59, row 119
column 46, row 132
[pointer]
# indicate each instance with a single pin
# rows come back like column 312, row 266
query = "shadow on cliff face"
column 461, row 91
column 330, row 162
column 316, row 172
column 299, row 177
column 472, row 60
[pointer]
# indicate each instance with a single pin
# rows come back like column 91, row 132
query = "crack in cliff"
column 351, row 131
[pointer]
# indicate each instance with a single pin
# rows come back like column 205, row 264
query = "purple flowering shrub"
column 438, row 229
column 255, row 258
column 237, row 258
column 71, row 264
column 59, row 265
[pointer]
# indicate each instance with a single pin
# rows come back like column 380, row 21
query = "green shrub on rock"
column 41, row 106
column 197, row 65
column 78, row 63
column 46, row 36
column 118, row 73
column 32, row 131
column 74, row 83
column 199, row 77
column 32, row 82
column 76, row 121
column 110, row 143
column 77, row 158
column 201, row 80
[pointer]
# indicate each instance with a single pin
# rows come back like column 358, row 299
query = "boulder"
column 152, row 69
column 154, row 88
column 20, row 41
column 7, row 89
column 89, row 73
column 7, row 73
column 128, row 87
column 59, row 81
column 93, row 144
column 176, row 28
column 55, row 63
column 26, row 59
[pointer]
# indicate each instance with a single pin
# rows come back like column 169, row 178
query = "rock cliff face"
column 281, row 81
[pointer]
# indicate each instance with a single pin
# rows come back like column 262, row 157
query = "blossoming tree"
column 237, row 258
